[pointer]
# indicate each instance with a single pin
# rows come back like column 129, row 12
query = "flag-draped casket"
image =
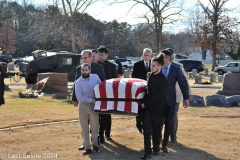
column 120, row 94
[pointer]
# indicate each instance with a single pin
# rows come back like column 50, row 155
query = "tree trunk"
column 204, row 53
column 157, row 36
column 73, row 41
column 160, row 36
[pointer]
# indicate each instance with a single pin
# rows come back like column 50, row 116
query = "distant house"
column 177, row 56
column 198, row 56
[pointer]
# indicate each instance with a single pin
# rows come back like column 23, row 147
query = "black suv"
column 189, row 65
column 6, row 58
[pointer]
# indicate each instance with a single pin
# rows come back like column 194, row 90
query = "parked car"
column 189, row 65
column 6, row 58
column 43, row 61
column 127, row 63
column 233, row 67
column 24, row 59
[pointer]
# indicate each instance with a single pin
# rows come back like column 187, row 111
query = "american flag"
column 120, row 94
column 43, row 81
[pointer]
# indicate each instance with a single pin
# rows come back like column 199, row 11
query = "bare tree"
column 72, row 8
column 161, row 12
column 196, row 20
column 219, row 28
column 7, row 37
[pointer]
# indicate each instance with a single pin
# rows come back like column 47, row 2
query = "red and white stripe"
column 130, row 88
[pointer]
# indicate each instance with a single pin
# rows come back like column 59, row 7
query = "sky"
column 102, row 11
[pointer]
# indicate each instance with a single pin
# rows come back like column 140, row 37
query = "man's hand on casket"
column 75, row 103
column 94, row 100
column 142, row 105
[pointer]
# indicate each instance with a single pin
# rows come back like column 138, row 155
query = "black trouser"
column 139, row 118
column 152, row 126
column 139, row 121
column 168, row 121
column 105, row 122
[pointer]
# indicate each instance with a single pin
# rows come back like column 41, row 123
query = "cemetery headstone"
column 220, row 78
column 190, row 75
column 57, row 82
column 234, row 101
column 206, row 72
column 197, row 101
column 212, row 77
column 194, row 71
column 198, row 79
column 216, row 100
column 126, row 73
column 231, row 85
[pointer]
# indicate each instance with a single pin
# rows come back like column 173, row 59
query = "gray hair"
column 147, row 50
column 87, row 51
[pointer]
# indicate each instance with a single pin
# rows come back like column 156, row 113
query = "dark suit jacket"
column 139, row 70
column 95, row 69
column 106, row 69
column 175, row 75
column 112, row 68
column 155, row 94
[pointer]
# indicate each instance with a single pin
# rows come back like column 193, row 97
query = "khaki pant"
column 86, row 112
column 175, row 124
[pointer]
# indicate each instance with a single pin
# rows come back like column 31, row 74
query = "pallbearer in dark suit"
column 154, row 107
column 140, row 70
column 102, row 117
column 105, row 119
column 105, row 66
column 174, row 74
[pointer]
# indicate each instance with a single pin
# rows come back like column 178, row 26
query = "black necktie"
column 147, row 67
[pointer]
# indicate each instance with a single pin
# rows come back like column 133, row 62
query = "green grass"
column 20, row 111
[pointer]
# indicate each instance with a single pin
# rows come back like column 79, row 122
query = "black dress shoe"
column 155, row 153
column 165, row 149
column 95, row 149
column 146, row 156
column 140, row 130
column 109, row 138
column 101, row 139
column 81, row 147
column 174, row 141
column 87, row 151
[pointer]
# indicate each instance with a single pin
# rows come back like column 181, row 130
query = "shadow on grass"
column 179, row 151
column 114, row 150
